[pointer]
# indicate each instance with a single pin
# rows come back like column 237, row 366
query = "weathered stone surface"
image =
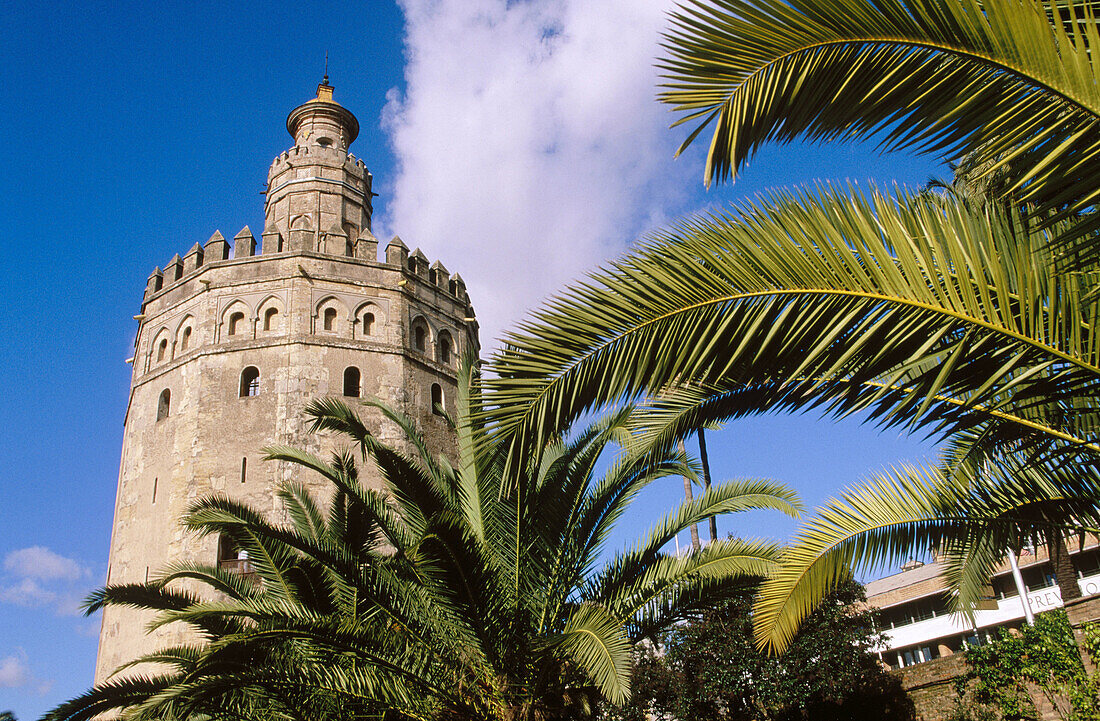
column 299, row 316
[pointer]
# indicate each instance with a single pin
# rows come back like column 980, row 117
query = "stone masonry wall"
column 198, row 449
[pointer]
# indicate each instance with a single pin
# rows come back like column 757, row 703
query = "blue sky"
column 518, row 142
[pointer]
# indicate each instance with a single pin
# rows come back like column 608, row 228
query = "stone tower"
column 234, row 339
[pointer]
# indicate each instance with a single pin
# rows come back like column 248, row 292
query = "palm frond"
column 920, row 310
column 997, row 81
column 890, row 516
column 594, row 640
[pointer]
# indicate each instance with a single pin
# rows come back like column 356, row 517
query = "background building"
column 235, row 338
column 913, row 605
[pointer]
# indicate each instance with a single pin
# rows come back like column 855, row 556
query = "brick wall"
column 929, row 685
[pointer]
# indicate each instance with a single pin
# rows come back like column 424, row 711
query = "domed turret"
column 318, row 194
column 323, row 121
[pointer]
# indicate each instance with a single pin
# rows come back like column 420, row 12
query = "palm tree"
column 917, row 309
column 436, row 597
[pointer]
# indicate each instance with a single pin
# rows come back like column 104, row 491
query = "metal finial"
column 325, row 81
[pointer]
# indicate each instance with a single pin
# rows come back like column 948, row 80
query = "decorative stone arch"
column 370, row 321
column 330, row 317
column 249, row 385
column 271, row 316
column 353, row 382
column 302, row 221
column 446, row 350
column 160, row 350
column 185, row 334
column 420, row 335
column 164, row 404
column 237, row 321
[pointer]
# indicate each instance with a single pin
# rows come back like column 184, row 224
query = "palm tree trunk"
column 706, row 479
column 695, row 545
column 1064, row 572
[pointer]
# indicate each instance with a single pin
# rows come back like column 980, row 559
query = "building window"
column 351, row 382
column 1038, row 577
column 231, row 557
column 445, row 346
column 437, row 399
column 162, row 349
column 271, row 319
column 420, row 338
column 244, row 469
column 250, row 382
column 236, row 323
column 155, row 490
column 330, row 319
column 1087, row 563
column 368, row 324
column 185, row 339
column 164, row 404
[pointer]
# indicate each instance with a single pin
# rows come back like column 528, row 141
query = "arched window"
column 351, row 382
column 236, row 323
column 445, row 347
column 185, row 339
column 162, row 349
column 271, row 319
column 164, row 404
column 437, row 399
column 330, row 319
column 368, row 324
column 250, row 382
column 420, row 338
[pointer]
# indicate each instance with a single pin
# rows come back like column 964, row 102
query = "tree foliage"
column 952, row 313
column 711, row 669
column 435, row 596
column 1008, row 86
column 1036, row 662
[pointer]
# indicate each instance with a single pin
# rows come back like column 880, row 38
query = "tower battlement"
column 349, row 160
column 217, row 252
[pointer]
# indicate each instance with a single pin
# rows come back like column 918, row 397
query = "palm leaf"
column 594, row 640
column 997, row 81
column 971, row 519
column 919, row 309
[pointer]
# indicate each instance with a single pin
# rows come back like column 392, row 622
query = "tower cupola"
column 323, row 121
column 319, row 194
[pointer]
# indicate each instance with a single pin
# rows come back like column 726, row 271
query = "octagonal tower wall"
column 232, row 345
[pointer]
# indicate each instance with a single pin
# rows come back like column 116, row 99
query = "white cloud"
column 15, row 673
column 37, row 577
column 28, row 593
column 43, row 564
column 529, row 144
column 70, row 604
